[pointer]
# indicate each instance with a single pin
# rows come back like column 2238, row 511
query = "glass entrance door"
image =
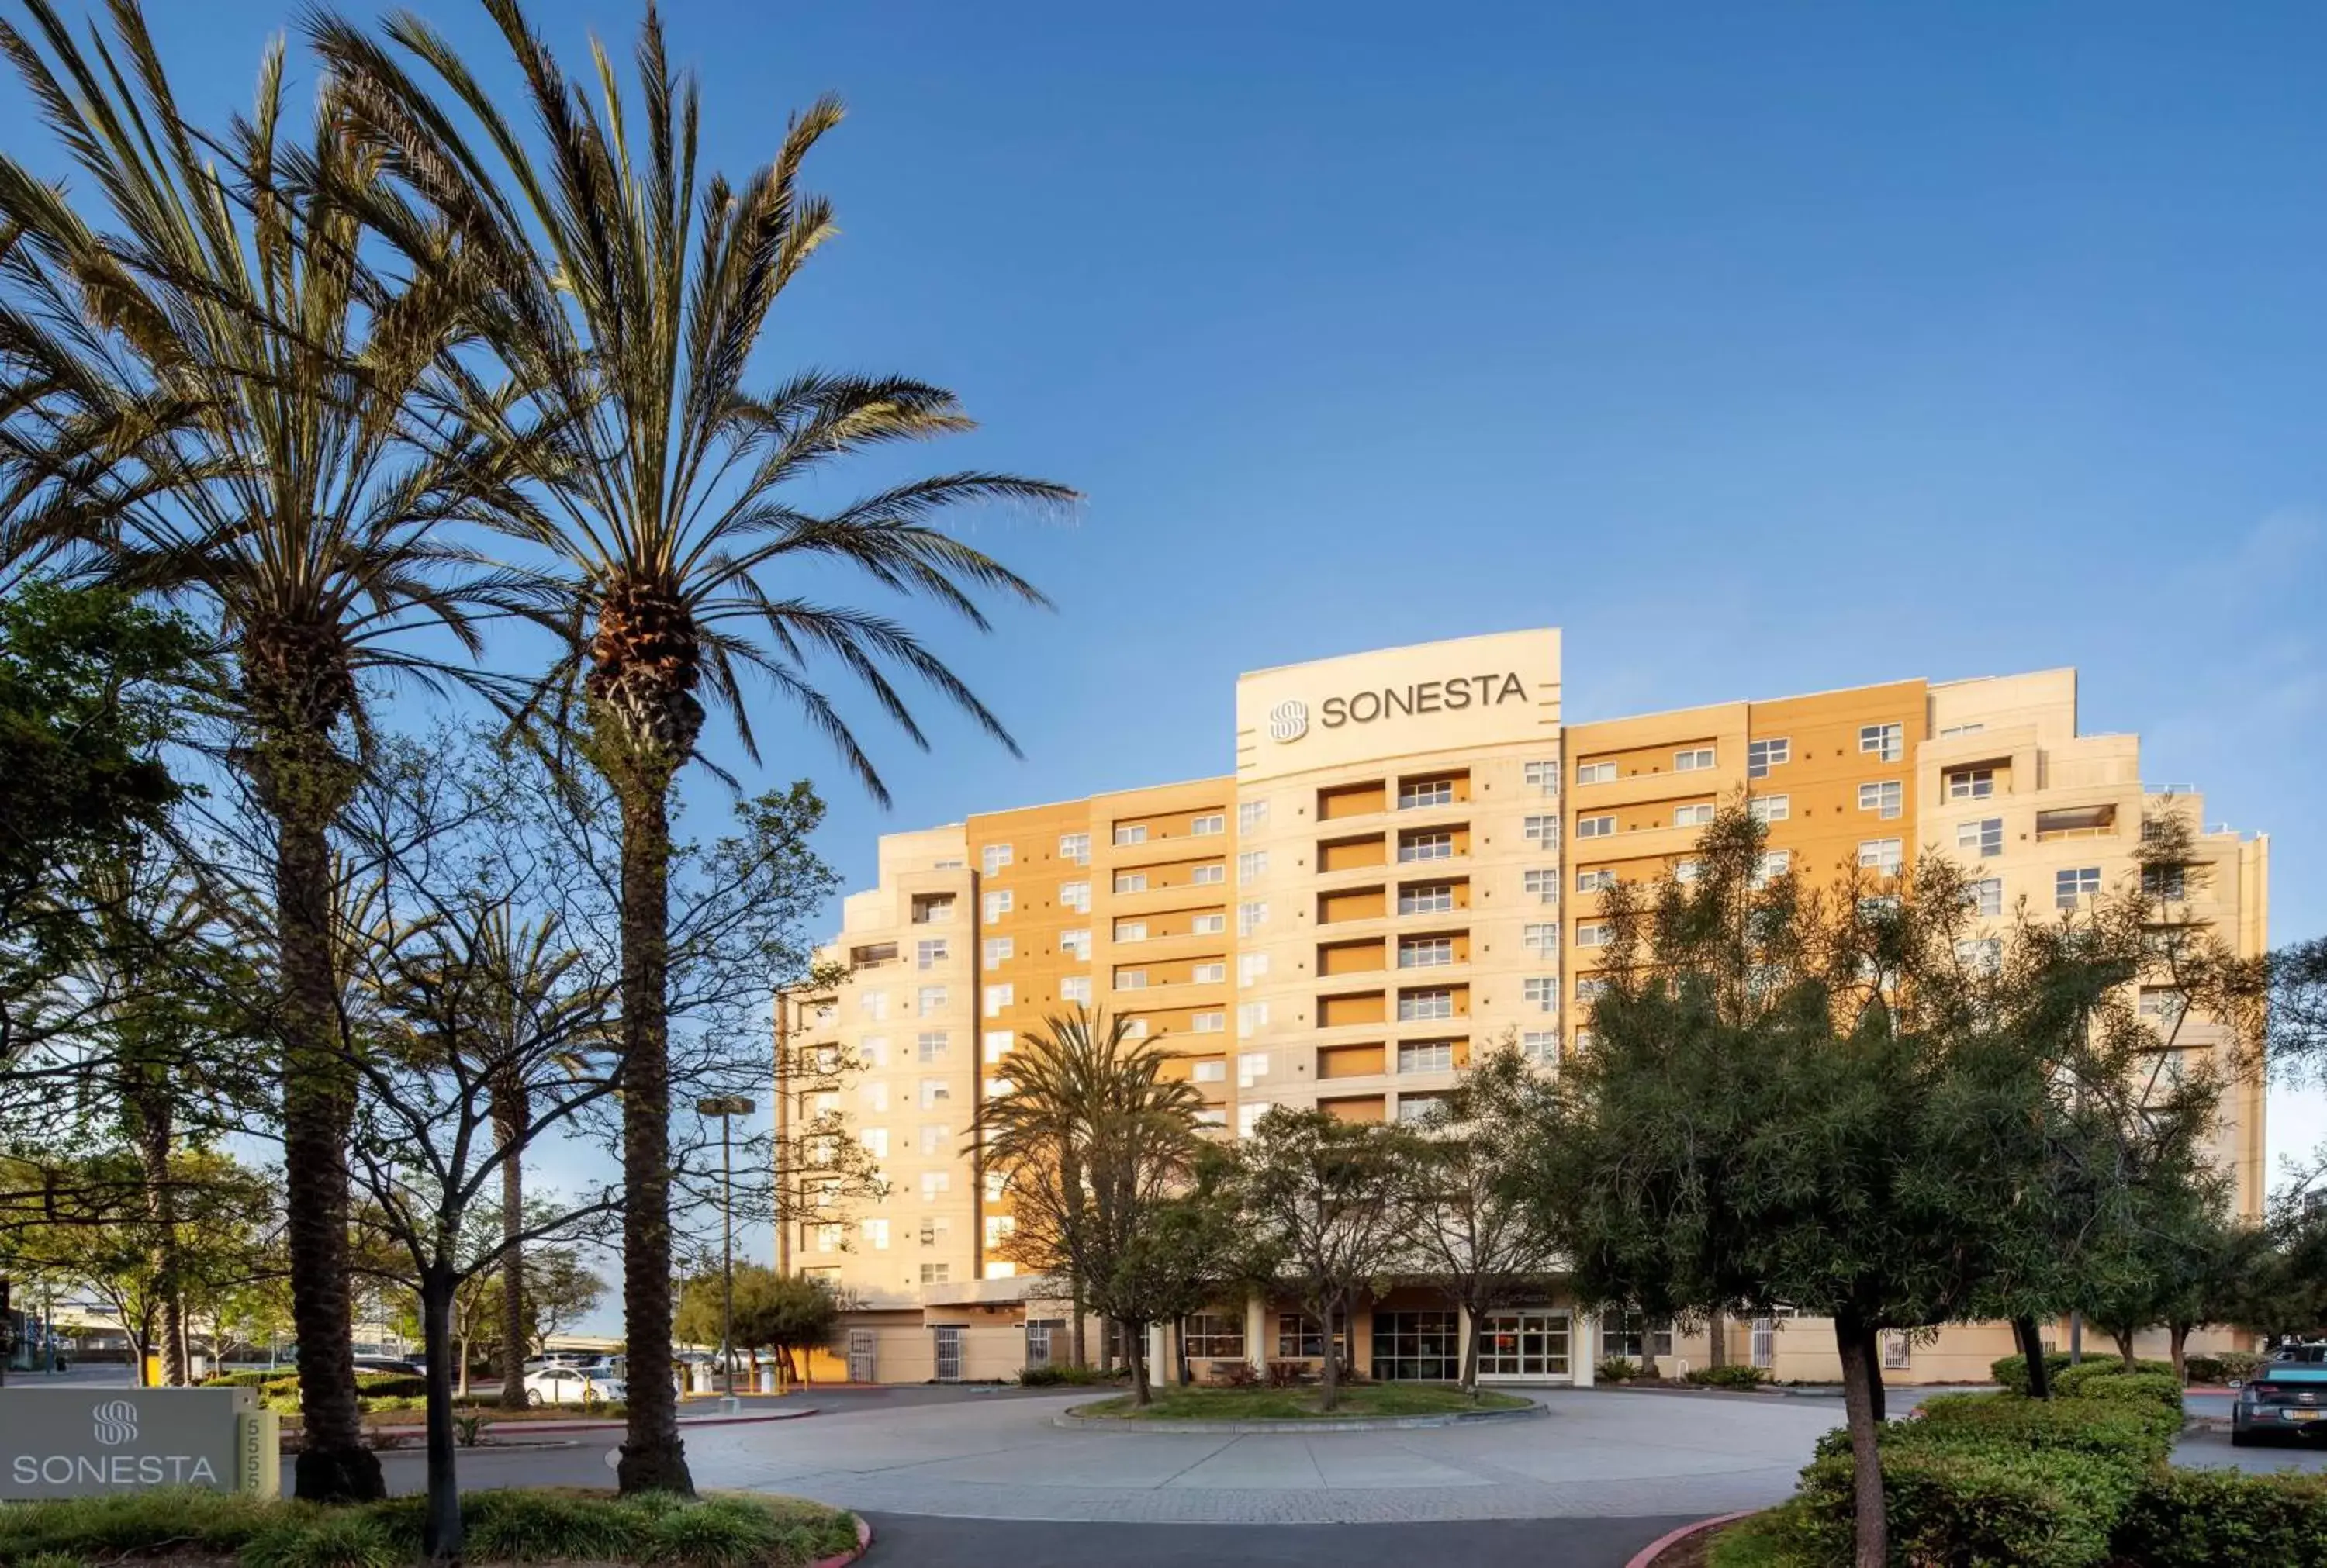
column 1529, row 1344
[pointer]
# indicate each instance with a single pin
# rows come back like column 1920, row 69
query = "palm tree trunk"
column 654, row 1459
column 156, row 1129
column 333, row 1464
column 509, row 1116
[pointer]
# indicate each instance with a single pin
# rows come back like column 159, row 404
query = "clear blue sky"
column 1764, row 348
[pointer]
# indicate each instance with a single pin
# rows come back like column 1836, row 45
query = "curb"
column 842, row 1559
column 1658, row 1547
column 1074, row 1422
column 685, row 1424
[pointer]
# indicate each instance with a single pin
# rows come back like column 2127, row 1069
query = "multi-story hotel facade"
column 1403, row 869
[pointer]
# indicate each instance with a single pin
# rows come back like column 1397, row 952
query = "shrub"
column 2197, row 1518
column 1730, row 1376
column 525, row 1526
column 2076, row 1377
column 340, row 1539
column 1616, row 1369
column 256, row 1379
column 2223, row 1366
column 1236, row 1375
column 2137, row 1433
column 1287, row 1374
column 1061, row 1376
column 2161, row 1389
column 2035, row 1508
column 2011, row 1371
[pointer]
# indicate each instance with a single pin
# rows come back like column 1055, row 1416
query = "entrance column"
column 1583, row 1337
column 1256, row 1331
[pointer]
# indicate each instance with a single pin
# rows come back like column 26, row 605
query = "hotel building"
column 1404, row 868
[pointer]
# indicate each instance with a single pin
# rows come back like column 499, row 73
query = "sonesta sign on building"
column 1473, row 692
column 79, row 1443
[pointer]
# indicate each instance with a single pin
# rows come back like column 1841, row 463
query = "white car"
column 571, row 1385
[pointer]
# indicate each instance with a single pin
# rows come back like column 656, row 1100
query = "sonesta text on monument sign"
column 80, row 1442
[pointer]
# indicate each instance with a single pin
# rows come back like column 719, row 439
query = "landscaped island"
column 1362, row 1400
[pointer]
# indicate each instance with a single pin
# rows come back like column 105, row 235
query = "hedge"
column 2011, row 1371
column 1999, row 1504
column 1729, row 1376
column 2075, row 1377
column 2223, row 1366
column 2198, row 1518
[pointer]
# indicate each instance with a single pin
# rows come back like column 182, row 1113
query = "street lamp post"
column 726, row 1107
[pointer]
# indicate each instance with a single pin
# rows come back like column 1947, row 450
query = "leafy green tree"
column 1321, row 1207
column 778, row 1313
column 631, row 290
column 1089, row 1138
column 1475, row 1230
column 1189, row 1250
column 220, row 402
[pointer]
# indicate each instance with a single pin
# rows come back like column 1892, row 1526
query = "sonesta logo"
column 1429, row 697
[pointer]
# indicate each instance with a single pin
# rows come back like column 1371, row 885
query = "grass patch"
column 725, row 1530
column 1301, row 1404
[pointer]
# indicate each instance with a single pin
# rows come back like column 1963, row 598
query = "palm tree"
column 631, row 290
column 1089, row 1135
column 217, row 401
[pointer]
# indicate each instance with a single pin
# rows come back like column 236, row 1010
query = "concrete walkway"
column 1606, row 1454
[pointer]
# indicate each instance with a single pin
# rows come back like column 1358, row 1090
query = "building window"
column 1772, row 863
column 1770, row 807
column 1425, row 952
column 1949, row 732
column 930, row 1046
column 1542, row 831
column 1298, row 1337
column 999, row 1228
column 1421, row 1006
column 1252, row 866
column 1981, row 955
column 1596, row 773
column 1131, row 931
column 1540, row 937
column 1888, row 742
column 1540, row 993
column 1984, row 837
column 1251, row 1017
column 1251, row 966
column 1425, row 898
column 1588, row 989
column 1688, row 870
column 1987, row 896
column 1971, row 783
column 999, row 949
column 1209, row 875
column 1696, row 759
column 1595, row 826
column 1416, row 846
column 1540, row 884
column 936, row 1274
column 1208, row 826
column 998, row 997
column 994, row 857
column 1208, row 973
column 2163, row 1005
column 876, row 1141
column 1208, row 1023
column 1898, row 1352
column 1130, row 882
column 876, row 1234
column 827, row 1238
column 932, row 1001
column 874, row 1096
column 1075, row 989
column 997, row 904
column 2070, row 886
column 1699, row 815
column 934, row 1182
column 1760, row 756
column 1215, row 1336
column 1074, row 896
column 935, row 1092
column 1426, row 1056
column 1884, row 854
column 874, row 1006
column 1210, row 1072
column 1076, row 943
column 1251, row 917
column 1886, row 799
column 872, row 1051
column 998, row 1042
column 1540, row 778
column 928, row 955
column 1594, row 934
column 1540, row 1046
column 1414, row 794
column 936, row 1137
column 1248, row 1116
column 1076, row 847
column 1252, row 1066
column 1134, row 833
column 2169, row 883
column 1211, row 925
column 1596, row 880
column 1131, row 979
column 1251, row 814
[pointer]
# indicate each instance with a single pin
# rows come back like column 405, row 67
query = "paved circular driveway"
column 1599, row 1454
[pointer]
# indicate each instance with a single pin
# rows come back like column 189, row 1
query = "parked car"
column 571, row 1385
column 2287, row 1397
column 398, row 1364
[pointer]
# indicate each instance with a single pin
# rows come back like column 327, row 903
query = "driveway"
column 1598, row 1455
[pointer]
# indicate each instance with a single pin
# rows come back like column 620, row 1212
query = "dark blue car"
column 2285, row 1398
